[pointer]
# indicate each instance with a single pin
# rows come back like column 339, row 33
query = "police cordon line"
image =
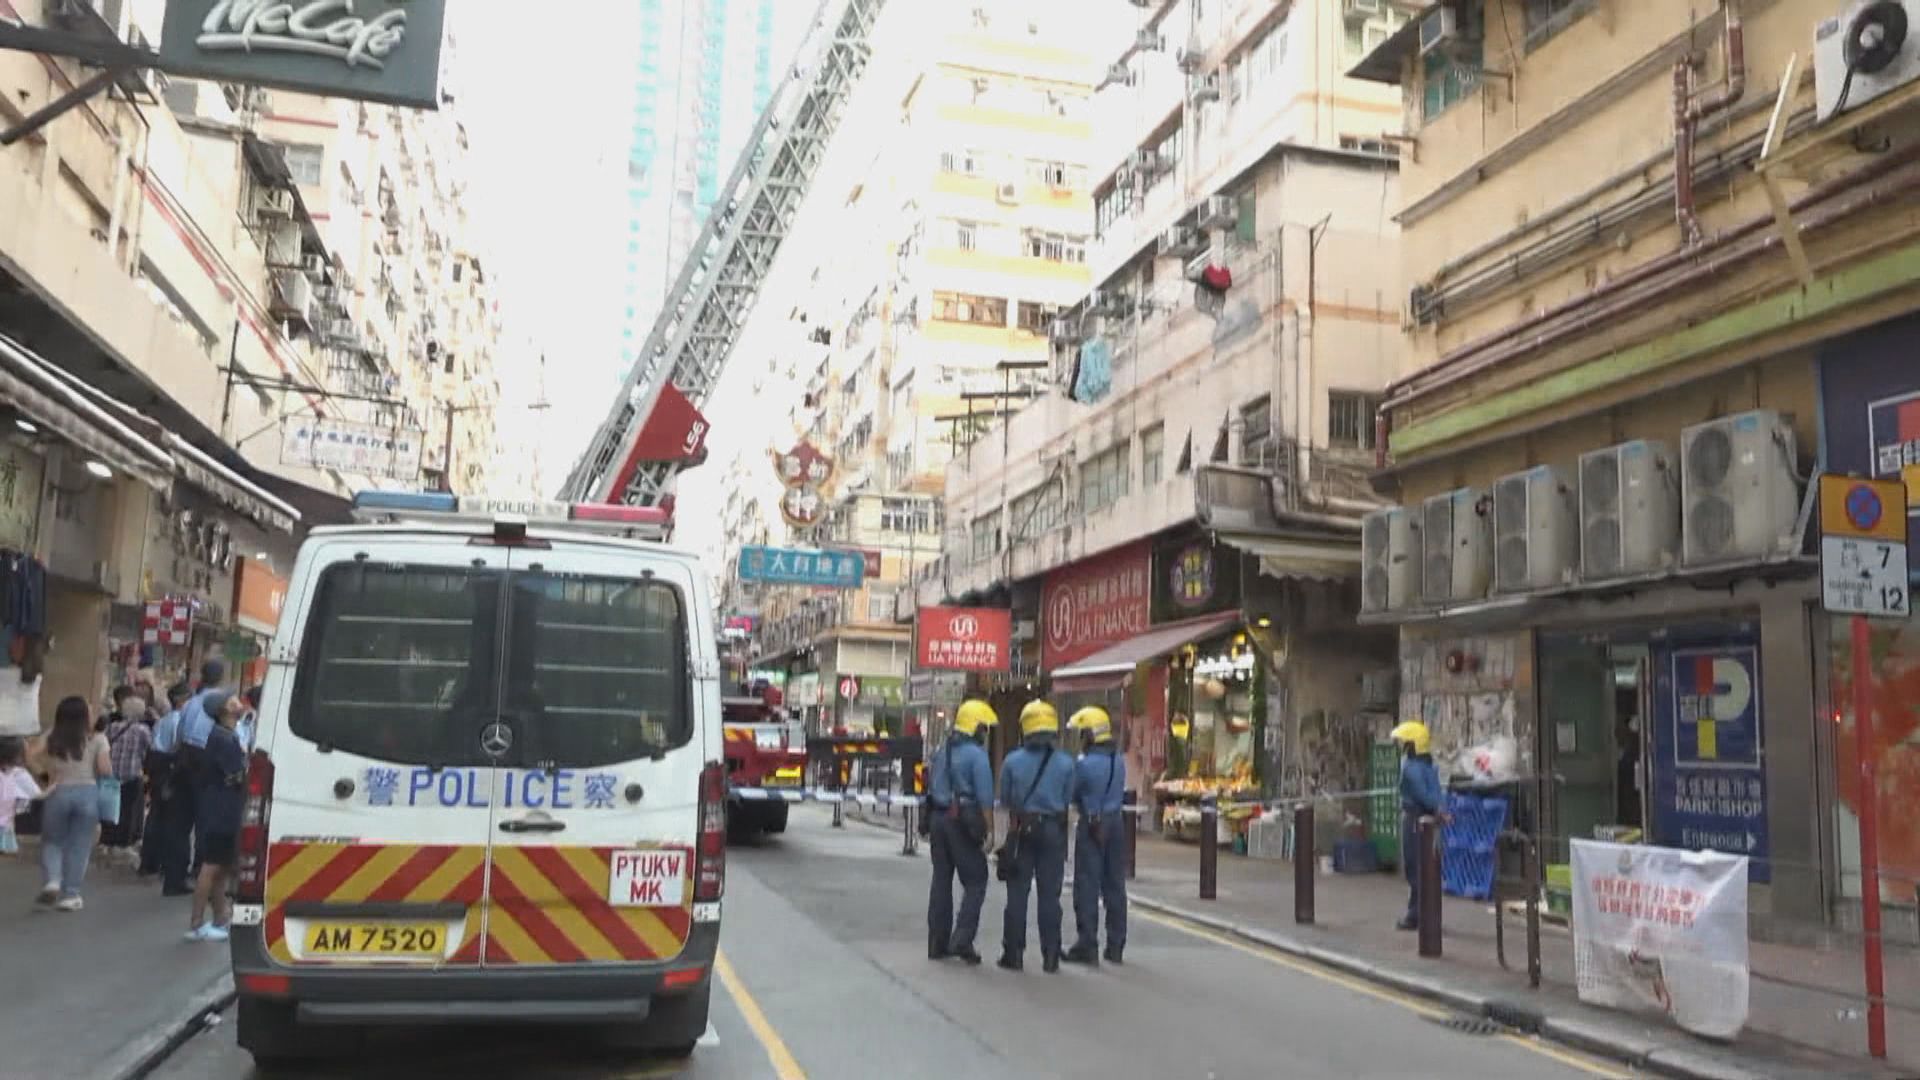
column 882, row 798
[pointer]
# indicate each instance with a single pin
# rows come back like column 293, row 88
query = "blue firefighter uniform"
column 1100, row 842
column 1420, row 796
column 960, row 796
column 1036, row 781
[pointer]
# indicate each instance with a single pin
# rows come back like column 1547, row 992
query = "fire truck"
column 766, row 756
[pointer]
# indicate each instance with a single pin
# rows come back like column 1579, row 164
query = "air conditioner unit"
column 1062, row 330
column 1219, row 212
column 1181, row 242
column 293, row 296
column 1389, row 560
column 1629, row 511
column 1454, row 549
column 1204, row 88
column 313, row 264
column 1007, row 193
column 1439, row 30
column 1145, row 161
column 1190, row 59
column 1536, row 538
column 1362, row 10
column 1865, row 52
column 274, row 203
column 1195, row 269
column 1149, row 41
column 1120, row 73
column 1739, row 489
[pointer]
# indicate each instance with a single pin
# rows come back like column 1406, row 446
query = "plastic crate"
column 1355, row 857
column 1467, row 856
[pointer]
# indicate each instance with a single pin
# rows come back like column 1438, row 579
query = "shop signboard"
column 791, row 566
column 371, row 50
column 936, row 687
column 1870, row 394
column 357, row 449
column 21, row 471
column 963, row 639
column 1709, row 776
column 258, row 596
column 1194, row 576
column 879, row 691
column 1088, row 605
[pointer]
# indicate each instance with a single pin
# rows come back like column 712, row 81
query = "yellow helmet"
column 1415, row 732
column 1095, row 722
column 973, row 715
column 1038, row 717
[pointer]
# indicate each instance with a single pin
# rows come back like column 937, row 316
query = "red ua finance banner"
column 964, row 639
column 1091, row 604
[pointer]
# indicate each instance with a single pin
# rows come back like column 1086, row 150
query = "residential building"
column 1185, row 488
column 1661, row 269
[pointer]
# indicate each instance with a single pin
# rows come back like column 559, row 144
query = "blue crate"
column 1355, row 857
column 1467, row 857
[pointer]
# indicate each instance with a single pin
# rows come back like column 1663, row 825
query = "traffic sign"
column 849, row 688
column 1863, row 549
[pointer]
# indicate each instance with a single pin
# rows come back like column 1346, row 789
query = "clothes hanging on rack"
column 23, row 594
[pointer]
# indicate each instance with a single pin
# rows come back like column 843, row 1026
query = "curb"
column 141, row 1056
column 1665, row 1059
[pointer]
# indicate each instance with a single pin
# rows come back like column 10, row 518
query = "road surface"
column 825, row 975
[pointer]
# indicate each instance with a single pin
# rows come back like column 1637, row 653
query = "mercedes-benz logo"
column 496, row 738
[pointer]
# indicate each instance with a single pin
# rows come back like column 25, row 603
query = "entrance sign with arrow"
column 1863, row 547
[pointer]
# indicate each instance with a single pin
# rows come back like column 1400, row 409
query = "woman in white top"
column 77, row 758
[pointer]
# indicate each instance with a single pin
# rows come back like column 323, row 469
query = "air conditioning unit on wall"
column 1739, row 490
column 1629, row 511
column 1389, row 560
column 1455, row 550
column 1867, row 51
column 1536, row 539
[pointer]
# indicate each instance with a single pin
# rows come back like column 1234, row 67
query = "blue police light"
column 406, row 502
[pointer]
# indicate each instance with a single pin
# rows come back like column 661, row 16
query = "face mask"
column 130, row 708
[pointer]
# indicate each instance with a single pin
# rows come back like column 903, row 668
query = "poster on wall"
column 1870, row 394
column 1708, row 765
column 1664, row 930
column 1893, row 690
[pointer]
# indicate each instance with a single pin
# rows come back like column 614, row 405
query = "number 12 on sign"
column 1864, row 577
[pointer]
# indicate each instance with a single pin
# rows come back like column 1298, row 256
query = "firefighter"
column 959, row 809
column 1100, row 842
column 1420, row 796
column 1035, row 781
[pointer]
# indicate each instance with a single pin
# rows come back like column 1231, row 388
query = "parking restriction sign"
column 1863, row 549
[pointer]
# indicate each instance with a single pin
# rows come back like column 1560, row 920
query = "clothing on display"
column 23, row 594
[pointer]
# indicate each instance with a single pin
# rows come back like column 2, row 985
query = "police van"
column 488, row 782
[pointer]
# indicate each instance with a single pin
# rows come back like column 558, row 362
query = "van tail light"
column 710, row 860
column 250, row 869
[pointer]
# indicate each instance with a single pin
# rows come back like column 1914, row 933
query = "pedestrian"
column 1100, row 840
column 171, row 852
column 959, row 831
column 77, row 760
column 1420, row 796
column 196, row 725
column 17, row 792
column 128, row 739
column 1035, row 781
column 218, row 802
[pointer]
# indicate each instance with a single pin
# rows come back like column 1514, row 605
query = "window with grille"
column 1036, row 318
column 964, row 162
column 306, row 164
column 966, row 236
column 985, row 532
column 1350, row 420
column 1256, row 432
column 1153, row 449
column 1054, row 247
column 1105, row 478
column 970, row 308
column 880, row 605
column 1545, row 18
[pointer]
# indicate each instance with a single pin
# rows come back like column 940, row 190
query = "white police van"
column 488, row 785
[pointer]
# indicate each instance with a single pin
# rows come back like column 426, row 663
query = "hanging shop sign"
column 1663, row 929
column 804, row 472
column 1870, row 394
column 1194, row 576
column 963, row 639
column 1190, row 581
column 1709, row 773
column 359, row 449
column 259, row 594
column 369, row 50
column 21, row 473
column 167, row 622
column 1094, row 603
column 791, row 566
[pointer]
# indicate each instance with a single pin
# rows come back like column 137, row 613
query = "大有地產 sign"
column 373, row 50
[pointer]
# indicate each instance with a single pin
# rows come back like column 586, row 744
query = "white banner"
column 1665, row 929
column 360, row 449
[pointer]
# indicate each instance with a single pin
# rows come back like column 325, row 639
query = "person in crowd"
column 219, row 799
column 250, row 719
column 196, row 725
column 959, row 805
column 129, row 739
column 77, row 760
column 170, row 852
column 1035, row 781
column 17, row 792
column 1420, row 796
column 1100, row 842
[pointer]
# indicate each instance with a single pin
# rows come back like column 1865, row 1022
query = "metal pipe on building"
column 1688, row 112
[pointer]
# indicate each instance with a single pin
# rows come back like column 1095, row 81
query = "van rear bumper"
column 569, row 994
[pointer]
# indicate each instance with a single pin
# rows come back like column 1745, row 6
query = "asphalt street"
column 826, row 975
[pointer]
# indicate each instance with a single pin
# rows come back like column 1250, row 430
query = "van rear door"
column 599, row 747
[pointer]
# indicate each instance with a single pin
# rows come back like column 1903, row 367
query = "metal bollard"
column 1132, row 827
column 1531, row 855
column 1209, row 848
column 909, row 839
column 1304, row 860
column 839, row 811
column 1429, row 871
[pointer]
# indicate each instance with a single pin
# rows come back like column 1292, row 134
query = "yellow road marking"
column 1412, row 1004
column 784, row 1065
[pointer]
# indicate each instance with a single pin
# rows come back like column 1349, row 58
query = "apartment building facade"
column 204, row 353
column 1623, row 387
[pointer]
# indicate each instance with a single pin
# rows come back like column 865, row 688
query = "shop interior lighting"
column 1263, row 622
column 26, row 425
column 99, row 469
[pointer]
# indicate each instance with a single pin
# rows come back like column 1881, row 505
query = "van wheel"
column 777, row 819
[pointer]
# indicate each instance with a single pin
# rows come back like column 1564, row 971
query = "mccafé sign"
column 373, row 50
column 964, row 639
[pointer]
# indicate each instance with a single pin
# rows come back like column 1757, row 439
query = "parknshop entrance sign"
column 375, row 50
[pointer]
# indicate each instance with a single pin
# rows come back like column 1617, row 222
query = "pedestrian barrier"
column 1468, row 857
column 827, row 795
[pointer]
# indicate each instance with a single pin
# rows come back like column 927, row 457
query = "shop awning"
column 237, row 492
column 1299, row 558
column 29, row 384
column 1110, row 666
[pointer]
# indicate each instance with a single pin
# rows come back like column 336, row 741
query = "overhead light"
column 263, row 556
column 99, row 469
column 1263, row 622
column 26, row 425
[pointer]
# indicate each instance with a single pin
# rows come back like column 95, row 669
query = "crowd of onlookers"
column 155, row 780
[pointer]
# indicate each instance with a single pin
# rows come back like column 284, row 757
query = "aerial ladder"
column 655, row 429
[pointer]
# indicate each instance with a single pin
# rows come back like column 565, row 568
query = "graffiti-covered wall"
column 1469, row 691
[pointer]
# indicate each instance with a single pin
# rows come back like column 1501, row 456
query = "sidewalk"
column 1793, row 1030
column 91, row 991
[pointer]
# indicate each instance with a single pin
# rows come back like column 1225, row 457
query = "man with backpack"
column 1035, row 781
column 959, row 800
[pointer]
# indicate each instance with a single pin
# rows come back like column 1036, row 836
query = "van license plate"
column 424, row 940
column 652, row 878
